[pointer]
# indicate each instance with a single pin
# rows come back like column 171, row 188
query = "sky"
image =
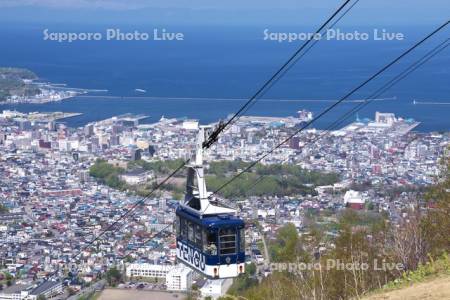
column 228, row 13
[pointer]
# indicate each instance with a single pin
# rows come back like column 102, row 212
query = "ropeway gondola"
column 210, row 237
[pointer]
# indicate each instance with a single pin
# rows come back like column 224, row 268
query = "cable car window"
column 177, row 226
column 198, row 236
column 205, row 241
column 242, row 240
column 191, row 232
column 183, row 229
column 227, row 240
column 210, row 242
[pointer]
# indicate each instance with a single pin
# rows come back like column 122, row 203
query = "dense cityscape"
column 54, row 202
column 224, row 150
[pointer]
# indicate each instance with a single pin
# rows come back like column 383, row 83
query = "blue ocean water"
column 195, row 77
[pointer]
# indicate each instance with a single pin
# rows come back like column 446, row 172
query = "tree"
column 113, row 276
column 244, row 281
column 108, row 174
column 41, row 297
column 287, row 246
column 362, row 238
column 436, row 224
column 71, row 291
column 3, row 209
column 250, row 269
column 409, row 243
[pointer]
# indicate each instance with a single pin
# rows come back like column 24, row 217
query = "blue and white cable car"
column 210, row 238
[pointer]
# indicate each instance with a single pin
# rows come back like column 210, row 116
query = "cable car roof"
column 215, row 221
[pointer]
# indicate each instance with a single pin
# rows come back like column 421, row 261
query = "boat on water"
column 140, row 91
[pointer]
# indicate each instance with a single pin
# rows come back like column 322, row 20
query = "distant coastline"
column 432, row 118
column 18, row 85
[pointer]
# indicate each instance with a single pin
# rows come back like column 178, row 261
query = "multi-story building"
column 47, row 289
column 179, row 278
column 215, row 288
column 148, row 270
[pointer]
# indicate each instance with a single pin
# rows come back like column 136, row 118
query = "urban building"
column 215, row 288
column 179, row 278
column 148, row 270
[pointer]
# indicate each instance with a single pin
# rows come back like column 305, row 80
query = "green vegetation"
column 280, row 180
column 393, row 255
column 107, row 174
column 3, row 209
column 159, row 167
column 276, row 180
column 436, row 225
column 287, row 247
column 90, row 296
column 320, row 281
column 244, row 281
column 113, row 276
column 7, row 278
column 18, row 73
column 12, row 83
column 432, row 268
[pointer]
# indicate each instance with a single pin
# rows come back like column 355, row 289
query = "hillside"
column 14, row 82
column 430, row 281
column 432, row 289
column 273, row 180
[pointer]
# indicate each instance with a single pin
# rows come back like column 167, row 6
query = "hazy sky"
column 367, row 12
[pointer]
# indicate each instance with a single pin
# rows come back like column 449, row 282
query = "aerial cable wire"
column 128, row 211
column 354, row 90
column 423, row 60
column 287, row 66
column 382, row 70
column 300, row 56
column 214, row 135
column 380, row 91
column 268, row 83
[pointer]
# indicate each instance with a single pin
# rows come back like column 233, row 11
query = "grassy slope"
column 430, row 281
column 431, row 289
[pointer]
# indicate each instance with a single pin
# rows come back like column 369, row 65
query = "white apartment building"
column 31, row 292
column 148, row 270
column 179, row 278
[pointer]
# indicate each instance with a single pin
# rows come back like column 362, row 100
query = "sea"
column 212, row 71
